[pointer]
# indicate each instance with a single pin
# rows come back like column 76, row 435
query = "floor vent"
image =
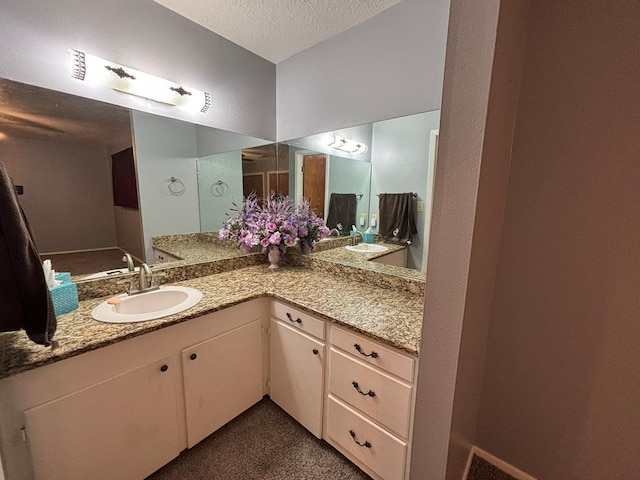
column 484, row 466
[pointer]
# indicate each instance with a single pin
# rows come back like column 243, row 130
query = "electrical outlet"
column 363, row 219
column 374, row 219
column 420, row 206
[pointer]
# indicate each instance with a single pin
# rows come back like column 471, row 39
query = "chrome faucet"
column 354, row 237
column 336, row 231
column 127, row 258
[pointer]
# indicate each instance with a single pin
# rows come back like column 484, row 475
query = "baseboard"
column 82, row 251
column 496, row 462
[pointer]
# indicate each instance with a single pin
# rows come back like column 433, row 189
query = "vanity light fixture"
column 96, row 70
column 347, row 145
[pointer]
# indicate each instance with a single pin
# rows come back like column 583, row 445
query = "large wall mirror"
column 391, row 156
column 65, row 151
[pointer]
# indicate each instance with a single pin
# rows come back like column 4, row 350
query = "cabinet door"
column 222, row 378
column 123, row 427
column 297, row 367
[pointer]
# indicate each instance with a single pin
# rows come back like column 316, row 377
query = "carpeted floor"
column 483, row 470
column 83, row 263
column 264, row 443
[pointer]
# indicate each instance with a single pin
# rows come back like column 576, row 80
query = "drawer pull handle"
column 315, row 351
column 373, row 354
column 193, row 356
column 370, row 393
column 353, row 435
column 164, row 368
column 297, row 320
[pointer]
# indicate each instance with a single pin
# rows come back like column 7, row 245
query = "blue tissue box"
column 63, row 276
column 369, row 237
column 65, row 295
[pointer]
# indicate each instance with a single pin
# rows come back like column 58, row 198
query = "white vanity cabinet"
column 397, row 258
column 125, row 410
column 370, row 403
column 222, row 378
column 160, row 256
column 93, row 433
column 297, row 352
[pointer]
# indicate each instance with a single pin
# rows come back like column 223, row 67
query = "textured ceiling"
column 277, row 29
column 37, row 113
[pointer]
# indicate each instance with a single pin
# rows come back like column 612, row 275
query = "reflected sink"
column 146, row 306
column 367, row 248
column 109, row 273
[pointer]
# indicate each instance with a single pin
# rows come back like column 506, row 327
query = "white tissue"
column 49, row 274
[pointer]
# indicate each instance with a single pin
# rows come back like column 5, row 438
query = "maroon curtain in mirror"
column 125, row 190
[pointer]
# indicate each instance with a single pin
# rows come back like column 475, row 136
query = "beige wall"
column 561, row 388
column 67, row 192
column 465, row 105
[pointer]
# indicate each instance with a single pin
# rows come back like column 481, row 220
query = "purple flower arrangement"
column 311, row 227
column 274, row 221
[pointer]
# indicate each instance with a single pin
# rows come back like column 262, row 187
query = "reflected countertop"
column 392, row 316
column 197, row 247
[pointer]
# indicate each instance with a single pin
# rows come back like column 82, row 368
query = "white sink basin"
column 367, row 248
column 146, row 306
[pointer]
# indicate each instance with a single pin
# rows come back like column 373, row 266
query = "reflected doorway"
column 311, row 179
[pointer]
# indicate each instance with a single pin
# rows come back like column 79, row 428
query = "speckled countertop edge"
column 387, row 315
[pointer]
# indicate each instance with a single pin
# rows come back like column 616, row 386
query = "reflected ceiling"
column 33, row 112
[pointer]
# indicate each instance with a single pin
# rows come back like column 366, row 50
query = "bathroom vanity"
column 120, row 401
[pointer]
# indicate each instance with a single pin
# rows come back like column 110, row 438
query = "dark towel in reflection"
column 342, row 211
column 397, row 221
column 24, row 295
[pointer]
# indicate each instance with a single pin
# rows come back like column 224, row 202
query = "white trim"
column 499, row 463
column 115, row 247
column 468, row 467
column 428, row 206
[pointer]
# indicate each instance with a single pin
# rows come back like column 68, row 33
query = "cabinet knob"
column 193, row 356
column 297, row 320
column 164, row 368
column 315, row 351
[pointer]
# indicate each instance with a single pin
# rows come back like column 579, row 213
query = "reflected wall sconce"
column 102, row 72
column 347, row 145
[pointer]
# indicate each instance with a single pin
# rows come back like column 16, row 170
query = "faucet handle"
column 127, row 281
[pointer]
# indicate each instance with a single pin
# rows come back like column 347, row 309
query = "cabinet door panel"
column 123, row 427
column 296, row 366
column 222, row 378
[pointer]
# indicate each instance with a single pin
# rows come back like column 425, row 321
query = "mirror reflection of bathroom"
column 392, row 156
column 99, row 180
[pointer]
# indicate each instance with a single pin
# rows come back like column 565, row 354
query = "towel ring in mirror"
column 219, row 189
column 175, row 186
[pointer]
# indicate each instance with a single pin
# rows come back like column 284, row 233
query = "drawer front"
column 298, row 319
column 376, row 394
column 379, row 450
column 372, row 352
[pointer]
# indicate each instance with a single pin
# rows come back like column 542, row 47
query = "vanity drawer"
column 376, row 394
column 379, row 450
column 298, row 319
column 374, row 353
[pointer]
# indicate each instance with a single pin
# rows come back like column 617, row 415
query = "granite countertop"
column 388, row 315
column 365, row 260
column 197, row 247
